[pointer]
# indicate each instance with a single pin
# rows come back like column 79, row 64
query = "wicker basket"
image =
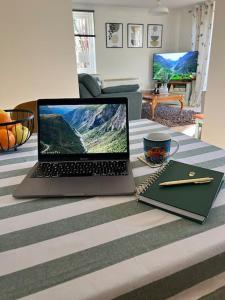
column 21, row 127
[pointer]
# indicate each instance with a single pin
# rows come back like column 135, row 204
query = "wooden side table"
column 154, row 99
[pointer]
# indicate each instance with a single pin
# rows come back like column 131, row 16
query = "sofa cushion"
column 121, row 88
column 90, row 83
column 84, row 93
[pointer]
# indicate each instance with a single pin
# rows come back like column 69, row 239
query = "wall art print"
column 135, row 35
column 154, row 33
column 114, row 35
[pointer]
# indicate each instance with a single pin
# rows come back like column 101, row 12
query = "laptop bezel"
column 86, row 156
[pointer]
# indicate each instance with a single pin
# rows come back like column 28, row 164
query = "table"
column 154, row 99
column 109, row 247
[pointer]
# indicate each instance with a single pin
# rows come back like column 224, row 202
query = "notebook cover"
column 194, row 198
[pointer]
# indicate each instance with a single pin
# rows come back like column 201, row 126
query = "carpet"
column 168, row 115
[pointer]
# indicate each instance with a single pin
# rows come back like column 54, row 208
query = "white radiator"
column 119, row 81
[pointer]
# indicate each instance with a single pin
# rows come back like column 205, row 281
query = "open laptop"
column 83, row 149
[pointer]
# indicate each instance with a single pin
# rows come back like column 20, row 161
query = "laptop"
column 83, row 149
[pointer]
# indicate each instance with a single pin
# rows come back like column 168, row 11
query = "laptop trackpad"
column 91, row 186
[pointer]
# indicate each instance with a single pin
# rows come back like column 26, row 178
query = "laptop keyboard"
column 77, row 169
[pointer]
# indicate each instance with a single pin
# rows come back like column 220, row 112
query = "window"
column 83, row 24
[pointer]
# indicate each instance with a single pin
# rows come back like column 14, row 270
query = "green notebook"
column 192, row 201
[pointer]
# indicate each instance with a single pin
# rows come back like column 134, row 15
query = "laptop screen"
column 83, row 129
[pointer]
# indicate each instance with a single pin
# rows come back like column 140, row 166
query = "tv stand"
column 181, row 88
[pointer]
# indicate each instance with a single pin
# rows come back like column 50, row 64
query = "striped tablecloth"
column 109, row 247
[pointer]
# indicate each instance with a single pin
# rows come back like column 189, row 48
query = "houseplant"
column 163, row 83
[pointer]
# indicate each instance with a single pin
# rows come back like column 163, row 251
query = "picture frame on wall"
column 114, row 35
column 135, row 33
column 154, row 35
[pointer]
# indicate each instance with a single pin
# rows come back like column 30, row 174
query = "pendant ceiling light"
column 160, row 9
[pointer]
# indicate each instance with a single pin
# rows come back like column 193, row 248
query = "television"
column 180, row 66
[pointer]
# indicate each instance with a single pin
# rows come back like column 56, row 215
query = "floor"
column 187, row 129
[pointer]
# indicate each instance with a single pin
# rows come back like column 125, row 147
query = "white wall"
column 135, row 62
column 37, row 58
column 213, row 129
column 185, row 30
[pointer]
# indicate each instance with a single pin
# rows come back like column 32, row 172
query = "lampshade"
column 159, row 9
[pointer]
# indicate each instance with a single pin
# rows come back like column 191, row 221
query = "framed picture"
column 135, row 35
column 114, row 35
column 154, row 33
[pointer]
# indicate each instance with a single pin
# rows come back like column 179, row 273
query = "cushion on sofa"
column 121, row 88
column 90, row 83
column 84, row 93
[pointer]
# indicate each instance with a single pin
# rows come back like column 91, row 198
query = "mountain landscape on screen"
column 83, row 129
column 175, row 66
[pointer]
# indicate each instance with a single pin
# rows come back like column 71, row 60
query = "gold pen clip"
column 203, row 181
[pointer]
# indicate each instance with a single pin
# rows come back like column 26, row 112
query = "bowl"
column 15, row 133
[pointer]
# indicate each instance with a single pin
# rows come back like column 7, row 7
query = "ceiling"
column 172, row 4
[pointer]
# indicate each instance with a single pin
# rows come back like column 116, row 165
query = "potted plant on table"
column 163, row 83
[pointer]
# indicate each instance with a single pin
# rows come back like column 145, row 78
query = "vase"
column 163, row 89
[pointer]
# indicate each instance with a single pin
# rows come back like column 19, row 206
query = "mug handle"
column 175, row 151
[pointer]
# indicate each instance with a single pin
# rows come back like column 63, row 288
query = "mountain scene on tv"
column 83, row 129
column 175, row 66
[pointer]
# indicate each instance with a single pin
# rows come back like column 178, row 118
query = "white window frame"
column 91, row 69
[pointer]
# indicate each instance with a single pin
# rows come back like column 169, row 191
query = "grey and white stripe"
column 108, row 247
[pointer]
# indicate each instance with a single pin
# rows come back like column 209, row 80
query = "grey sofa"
column 89, row 88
